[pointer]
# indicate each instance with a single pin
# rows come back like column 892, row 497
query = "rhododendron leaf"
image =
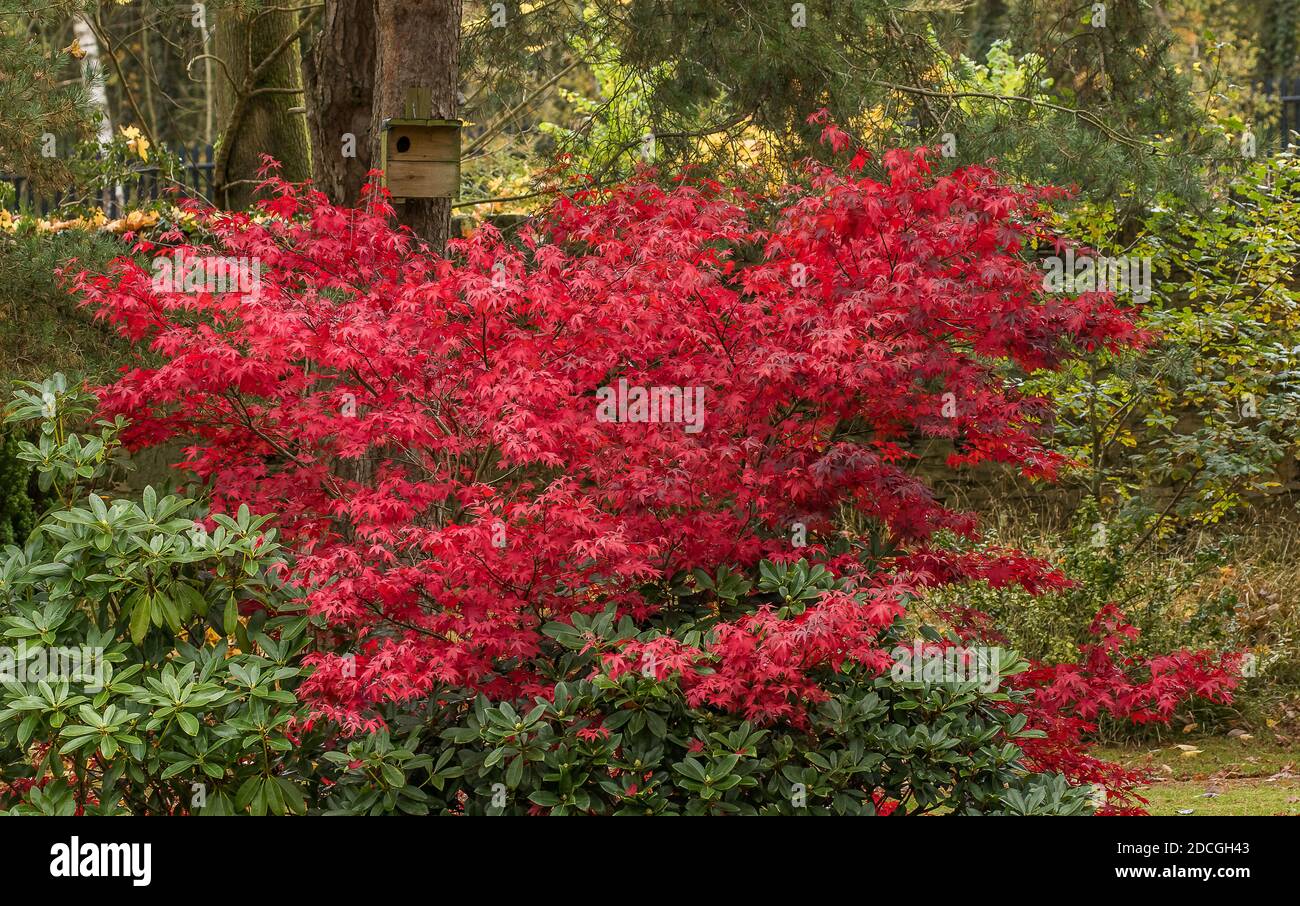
column 140, row 609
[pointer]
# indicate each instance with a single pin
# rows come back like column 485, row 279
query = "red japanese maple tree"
column 430, row 429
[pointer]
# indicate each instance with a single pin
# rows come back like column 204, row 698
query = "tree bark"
column 340, row 73
column 260, row 53
column 92, row 71
column 418, row 44
column 92, row 75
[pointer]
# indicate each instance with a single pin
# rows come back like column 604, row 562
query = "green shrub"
column 1210, row 408
column 634, row 744
column 41, row 327
column 1222, row 588
column 17, row 512
column 122, row 692
column 633, row 747
column 1150, row 584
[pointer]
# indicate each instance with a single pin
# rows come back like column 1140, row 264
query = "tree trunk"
column 418, row 47
column 260, row 51
column 92, row 72
column 340, row 74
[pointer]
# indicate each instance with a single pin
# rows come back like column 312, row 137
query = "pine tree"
column 730, row 83
column 45, row 109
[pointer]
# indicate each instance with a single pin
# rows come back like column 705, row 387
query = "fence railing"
column 142, row 185
column 1283, row 95
column 195, row 172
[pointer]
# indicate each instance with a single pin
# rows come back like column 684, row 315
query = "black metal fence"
column 1283, row 96
column 193, row 178
column 195, row 169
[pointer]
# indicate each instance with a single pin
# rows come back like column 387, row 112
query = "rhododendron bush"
column 460, row 453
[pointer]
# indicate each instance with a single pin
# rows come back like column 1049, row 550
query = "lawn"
column 1216, row 776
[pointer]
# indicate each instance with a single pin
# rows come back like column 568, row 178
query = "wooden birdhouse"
column 420, row 155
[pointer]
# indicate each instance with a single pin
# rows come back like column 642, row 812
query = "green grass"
column 1236, row 797
column 1222, row 776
